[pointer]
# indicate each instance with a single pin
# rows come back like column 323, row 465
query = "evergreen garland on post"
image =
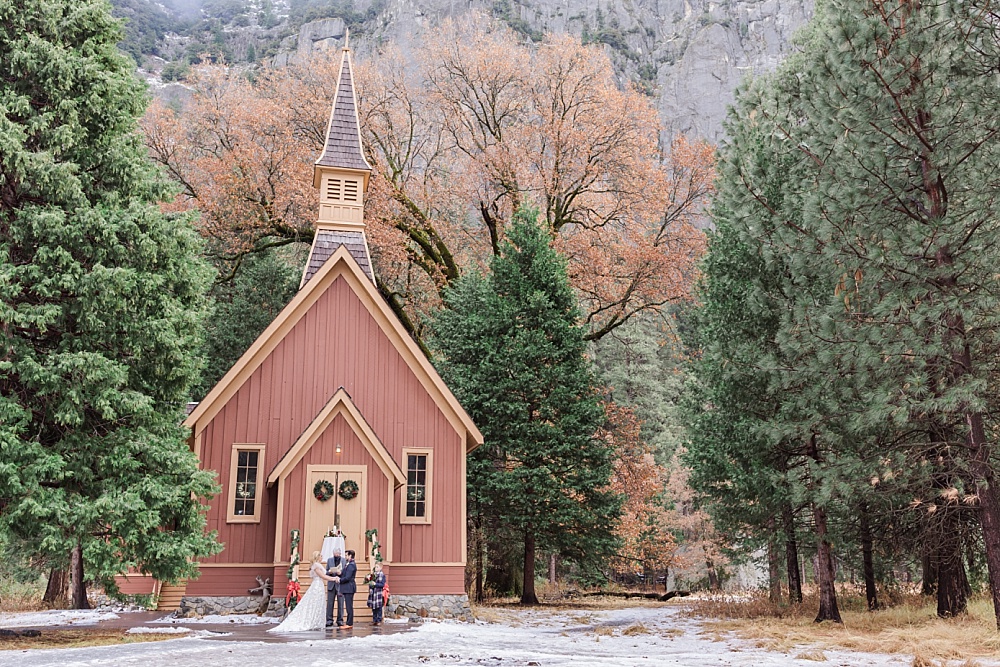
column 292, row 596
column 372, row 536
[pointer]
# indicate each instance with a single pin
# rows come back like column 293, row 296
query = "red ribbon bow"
column 293, row 592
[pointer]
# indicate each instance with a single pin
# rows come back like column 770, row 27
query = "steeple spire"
column 343, row 134
column 341, row 174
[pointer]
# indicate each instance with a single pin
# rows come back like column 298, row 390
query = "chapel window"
column 244, row 483
column 416, row 499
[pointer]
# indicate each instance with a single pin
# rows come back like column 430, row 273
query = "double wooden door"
column 349, row 515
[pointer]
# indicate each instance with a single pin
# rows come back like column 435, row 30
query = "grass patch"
column 508, row 610
column 921, row 661
column 17, row 596
column 910, row 627
column 80, row 638
column 817, row 656
column 637, row 629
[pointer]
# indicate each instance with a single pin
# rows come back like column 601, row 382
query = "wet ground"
column 235, row 630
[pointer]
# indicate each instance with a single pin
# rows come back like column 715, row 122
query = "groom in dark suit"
column 333, row 590
column 348, row 587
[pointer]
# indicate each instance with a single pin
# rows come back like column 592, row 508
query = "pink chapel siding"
column 337, row 343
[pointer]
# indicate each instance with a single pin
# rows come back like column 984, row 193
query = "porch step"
column 169, row 598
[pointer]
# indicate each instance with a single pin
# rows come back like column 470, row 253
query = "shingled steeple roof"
column 343, row 134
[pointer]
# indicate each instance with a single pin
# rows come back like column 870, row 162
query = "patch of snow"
column 55, row 617
column 639, row 636
column 217, row 619
column 158, row 631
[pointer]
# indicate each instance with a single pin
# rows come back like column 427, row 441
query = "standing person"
column 348, row 587
column 376, row 589
column 308, row 613
column 334, row 564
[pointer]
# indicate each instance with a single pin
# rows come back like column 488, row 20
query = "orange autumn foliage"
column 645, row 528
column 481, row 125
column 702, row 545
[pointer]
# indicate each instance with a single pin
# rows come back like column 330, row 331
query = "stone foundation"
column 413, row 607
column 416, row 607
column 221, row 605
column 276, row 608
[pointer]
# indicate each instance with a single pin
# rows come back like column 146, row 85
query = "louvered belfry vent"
column 351, row 191
column 333, row 189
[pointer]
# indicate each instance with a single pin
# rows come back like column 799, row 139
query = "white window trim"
column 429, row 486
column 231, row 517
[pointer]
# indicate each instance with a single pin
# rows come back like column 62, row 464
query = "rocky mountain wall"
column 690, row 55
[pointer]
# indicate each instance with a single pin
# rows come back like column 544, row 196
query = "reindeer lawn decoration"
column 264, row 587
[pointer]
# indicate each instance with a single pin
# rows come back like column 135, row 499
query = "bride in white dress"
column 310, row 612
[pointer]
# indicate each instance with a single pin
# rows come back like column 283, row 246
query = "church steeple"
column 341, row 174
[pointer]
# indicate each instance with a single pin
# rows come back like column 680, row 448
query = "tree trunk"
column 552, row 569
column 792, row 558
column 928, row 570
column 78, row 587
column 989, row 507
column 713, row 576
column 528, row 590
column 480, row 554
column 952, row 599
column 828, row 610
column 773, row 572
column 57, row 590
column 951, row 592
column 871, row 594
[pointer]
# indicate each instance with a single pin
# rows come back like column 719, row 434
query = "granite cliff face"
column 689, row 54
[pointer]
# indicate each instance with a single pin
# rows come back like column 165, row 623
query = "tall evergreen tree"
column 885, row 230
column 511, row 346
column 902, row 211
column 101, row 301
column 748, row 476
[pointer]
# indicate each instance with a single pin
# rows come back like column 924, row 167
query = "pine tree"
column 101, row 301
column 903, row 205
column 735, row 396
column 511, row 346
column 642, row 365
column 885, row 235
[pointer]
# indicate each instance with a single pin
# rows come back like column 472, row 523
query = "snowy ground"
column 60, row 617
column 242, row 619
column 636, row 636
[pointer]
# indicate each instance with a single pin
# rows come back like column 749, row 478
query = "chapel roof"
column 326, row 243
column 343, row 134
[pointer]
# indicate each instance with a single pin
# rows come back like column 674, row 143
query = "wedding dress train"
column 310, row 612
